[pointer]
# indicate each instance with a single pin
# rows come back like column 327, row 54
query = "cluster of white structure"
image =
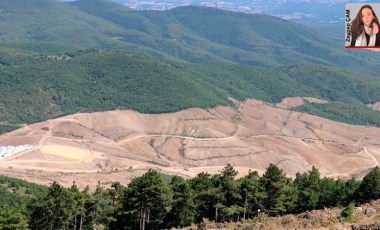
column 6, row 151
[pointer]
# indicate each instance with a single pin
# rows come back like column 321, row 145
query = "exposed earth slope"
column 118, row 145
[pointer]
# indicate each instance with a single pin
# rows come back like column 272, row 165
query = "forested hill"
column 90, row 55
column 194, row 34
column 50, row 26
column 37, row 88
column 199, row 34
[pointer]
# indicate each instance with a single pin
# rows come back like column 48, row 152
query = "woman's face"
column 367, row 16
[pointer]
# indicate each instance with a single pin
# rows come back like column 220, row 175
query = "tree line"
column 150, row 203
column 40, row 87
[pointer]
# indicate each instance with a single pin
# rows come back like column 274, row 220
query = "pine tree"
column 308, row 186
column 183, row 207
column 100, row 208
column 369, row 188
column 208, row 198
column 146, row 203
column 228, row 185
column 252, row 194
column 12, row 219
column 55, row 210
column 275, row 184
column 80, row 211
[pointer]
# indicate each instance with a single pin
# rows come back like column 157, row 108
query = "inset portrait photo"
column 362, row 25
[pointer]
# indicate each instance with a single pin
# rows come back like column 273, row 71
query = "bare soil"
column 120, row 145
column 375, row 106
column 293, row 102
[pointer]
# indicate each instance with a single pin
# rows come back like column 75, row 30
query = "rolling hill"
column 37, row 88
column 52, row 23
column 199, row 34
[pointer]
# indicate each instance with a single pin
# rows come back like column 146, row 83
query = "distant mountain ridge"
column 192, row 34
column 311, row 13
column 219, row 35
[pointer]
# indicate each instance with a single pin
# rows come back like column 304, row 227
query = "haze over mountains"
column 96, row 55
column 304, row 12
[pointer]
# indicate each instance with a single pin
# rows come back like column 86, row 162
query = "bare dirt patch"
column 293, row 102
column 375, row 106
column 67, row 152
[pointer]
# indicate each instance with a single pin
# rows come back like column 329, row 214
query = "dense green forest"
column 200, row 34
column 39, row 87
column 191, row 34
column 149, row 202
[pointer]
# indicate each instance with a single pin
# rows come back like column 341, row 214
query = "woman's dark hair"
column 357, row 26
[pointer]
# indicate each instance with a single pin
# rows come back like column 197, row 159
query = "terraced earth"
column 119, row 145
